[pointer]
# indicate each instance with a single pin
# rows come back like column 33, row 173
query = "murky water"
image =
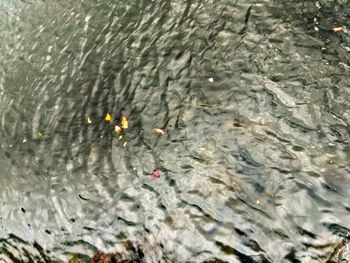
column 253, row 97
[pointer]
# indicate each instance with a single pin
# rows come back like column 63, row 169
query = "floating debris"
column 89, row 121
column 125, row 123
column 338, row 29
column 159, row 131
column 108, row 117
column 124, row 144
column 83, row 198
column 24, row 140
column 120, row 137
column 155, row 174
column 211, row 80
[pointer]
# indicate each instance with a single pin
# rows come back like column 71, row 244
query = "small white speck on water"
column 211, row 80
column 24, row 140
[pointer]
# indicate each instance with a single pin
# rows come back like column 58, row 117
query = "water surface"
column 253, row 97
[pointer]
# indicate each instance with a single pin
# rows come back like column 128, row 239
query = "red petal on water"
column 155, row 173
column 97, row 256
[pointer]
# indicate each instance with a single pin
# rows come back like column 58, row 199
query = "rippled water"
column 253, row 97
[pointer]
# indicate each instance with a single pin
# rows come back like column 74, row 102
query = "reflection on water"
column 253, row 100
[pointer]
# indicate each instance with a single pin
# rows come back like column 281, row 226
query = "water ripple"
column 252, row 99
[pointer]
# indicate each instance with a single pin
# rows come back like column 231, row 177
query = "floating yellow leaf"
column 117, row 129
column 120, row 137
column 40, row 134
column 108, row 117
column 159, row 131
column 89, row 121
column 125, row 124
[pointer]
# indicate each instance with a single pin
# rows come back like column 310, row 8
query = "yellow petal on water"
column 125, row 143
column 40, row 134
column 125, row 123
column 89, row 121
column 117, row 129
column 108, row 117
column 120, row 137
